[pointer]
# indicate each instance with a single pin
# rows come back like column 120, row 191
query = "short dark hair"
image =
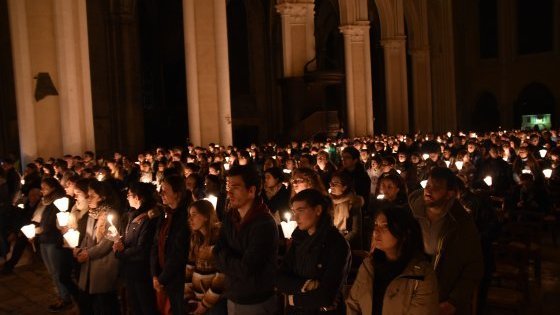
column 275, row 172
column 146, row 192
column 353, row 152
column 446, row 175
column 314, row 198
column 248, row 174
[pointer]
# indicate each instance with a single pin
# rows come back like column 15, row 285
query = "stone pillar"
column 23, row 77
column 298, row 35
column 51, row 36
column 207, row 67
column 442, row 65
column 422, row 88
column 76, row 115
column 358, row 79
column 396, row 84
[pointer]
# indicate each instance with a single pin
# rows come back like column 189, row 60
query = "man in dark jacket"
column 246, row 251
column 450, row 239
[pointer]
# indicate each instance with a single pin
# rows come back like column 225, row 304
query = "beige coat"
column 414, row 292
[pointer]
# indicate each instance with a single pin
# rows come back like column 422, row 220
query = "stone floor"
column 29, row 289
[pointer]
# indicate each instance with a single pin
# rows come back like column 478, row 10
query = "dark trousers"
column 17, row 252
column 99, row 304
column 141, row 296
column 175, row 293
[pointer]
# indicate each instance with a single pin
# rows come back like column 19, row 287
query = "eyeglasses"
column 297, row 180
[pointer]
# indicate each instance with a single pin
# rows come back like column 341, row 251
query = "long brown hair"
column 206, row 209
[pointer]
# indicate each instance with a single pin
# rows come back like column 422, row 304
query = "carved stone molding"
column 355, row 32
column 296, row 12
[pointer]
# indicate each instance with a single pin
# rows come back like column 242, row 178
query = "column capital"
column 394, row 42
column 295, row 10
column 356, row 32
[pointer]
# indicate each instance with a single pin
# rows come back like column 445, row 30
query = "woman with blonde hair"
column 306, row 178
column 204, row 284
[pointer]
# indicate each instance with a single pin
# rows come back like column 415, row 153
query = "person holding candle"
column 275, row 195
column 347, row 214
column 170, row 247
column 316, row 265
column 204, row 284
column 395, row 278
column 99, row 269
column 50, row 242
column 135, row 247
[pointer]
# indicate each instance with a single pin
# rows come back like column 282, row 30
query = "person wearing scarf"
column 347, row 214
column 133, row 250
column 99, row 266
column 316, row 266
column 246, row 251
column 171, row 246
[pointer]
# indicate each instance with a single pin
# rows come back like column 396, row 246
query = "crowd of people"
column 401, row 224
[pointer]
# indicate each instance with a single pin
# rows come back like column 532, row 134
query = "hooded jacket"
column 458, row 259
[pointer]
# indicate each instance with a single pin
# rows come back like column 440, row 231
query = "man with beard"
column 450, row 240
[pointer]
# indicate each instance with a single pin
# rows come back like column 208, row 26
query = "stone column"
column 76, row 115
column 396, row 84
column 298, row 35
column 422, row 88
column 207, row 67
column 358, row 79
column 23, row 78
column 51, row 36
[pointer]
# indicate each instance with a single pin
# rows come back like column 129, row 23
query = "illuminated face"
column 306, row 216
column 300, row 183
column 337, row 188
column 382, row 237
column 238, row 194
column 133, row 200
column 436, row 193
column 46, row 189
column 389, row 189
column 269, row 180
column 94, row 200
column 196, row 220
column 168, row 196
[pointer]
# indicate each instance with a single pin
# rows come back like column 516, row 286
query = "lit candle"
column 547, row 173
column 399, row 171
column 488, row 180
column 226, row 166
column 113, row 232
column 29, row 231
column 447, row 163
column 423, row 183
column 543, row 152
column 380, row 196
column 526, row 171
column 72, row 237
column 62, row 203
column 459, row 165
column 22, row 206
column 213, row 200
column 288, row 226
column 287, row 171
column 373, row 155
column 288, row 216
column 22, row 181
column 274, row 157
column 449, row 134
column 62, row 218
column 425, row 156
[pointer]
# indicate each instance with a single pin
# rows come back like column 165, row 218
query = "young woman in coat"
column 99, row 266
column 395, row 279
column 134, row 249
column 315, row 267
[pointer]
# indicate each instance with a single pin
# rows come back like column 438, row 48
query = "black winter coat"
column 137, row 240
